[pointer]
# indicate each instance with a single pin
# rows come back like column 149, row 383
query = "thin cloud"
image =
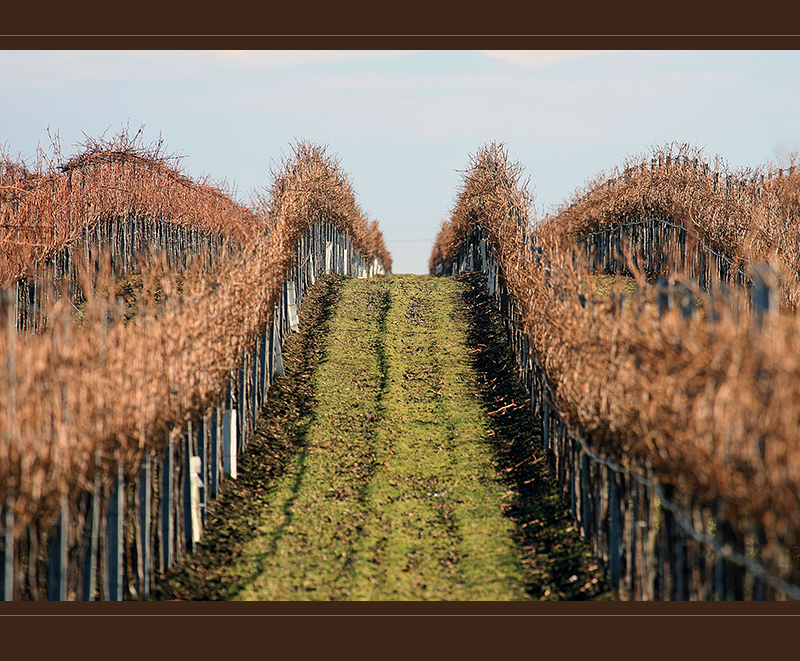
column 539, row 58
column 60, row 69
column 263, row 59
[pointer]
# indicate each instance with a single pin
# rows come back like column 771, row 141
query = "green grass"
column 394, row 494
column 436, row 528
column 396, row 460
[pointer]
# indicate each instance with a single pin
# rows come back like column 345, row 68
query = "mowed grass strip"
column 234, row 519
column 373, row 470
column 305, row 545
column 393, row 494
column 436, row 528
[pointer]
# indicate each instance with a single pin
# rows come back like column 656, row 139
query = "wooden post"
column 601, row 513
column 570, row 472
column 167, row 522
column 685, row 300
column 116, row 518
column 202, row 453
column 652, row 568
column 759, row 587
column 719, row 297
column 643, row 535
column 57, row 556
column 216, row 437
column 664, row 296
column 662, row 571
column 633, row 523
column 698, row 559
column 719, row 579
column 615, row 540
column 585, row 496
column 271, row 350
column 241, row 402
column 33, row 557
column 264, row 357
column 763, row 294
column 7, row 575
column 256, row 389
column 144, row 564
column 545, row 422
column 255, row 399
column 89, row 570
column 680, row 564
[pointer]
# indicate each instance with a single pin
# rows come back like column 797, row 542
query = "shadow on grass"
column 559, row 564
column 232, row 520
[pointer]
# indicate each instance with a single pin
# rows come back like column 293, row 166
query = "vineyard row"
column 142, row 366
column 701, row 404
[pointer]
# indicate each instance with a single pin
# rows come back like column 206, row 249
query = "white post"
column 229, row 442
column 291, row 292
column 277, row 356
column 195, row 466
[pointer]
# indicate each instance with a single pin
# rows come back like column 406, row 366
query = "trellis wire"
column 157, row 515
column 476, row 253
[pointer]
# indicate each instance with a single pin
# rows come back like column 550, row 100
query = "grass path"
column 384, row 476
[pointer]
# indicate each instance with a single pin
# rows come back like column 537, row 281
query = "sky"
column 405, row 124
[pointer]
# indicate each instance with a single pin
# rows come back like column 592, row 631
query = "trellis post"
column 229, row 428
column 167, row 522
column 145, row 488
column 763, row 293
column 57, row 556
column 90, row 559
column 7, row 554
column 116, row 519
column 215, row 453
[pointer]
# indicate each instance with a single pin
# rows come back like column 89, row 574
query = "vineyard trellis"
column 662, row 473
column 654, row 542
column 708, row 224
column 144, row 405
column 674, row 439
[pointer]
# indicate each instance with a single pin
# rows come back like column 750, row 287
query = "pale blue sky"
column 404, row 123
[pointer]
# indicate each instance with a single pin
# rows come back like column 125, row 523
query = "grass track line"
column 393, row 494
column 305, row 547
column 377, row 473
column 436, row 529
